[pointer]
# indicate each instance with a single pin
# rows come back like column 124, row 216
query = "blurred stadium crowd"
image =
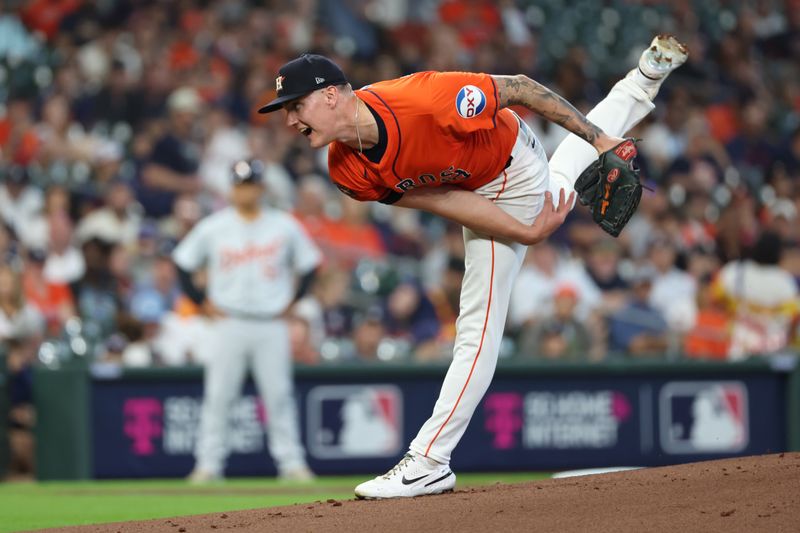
column 120, row 121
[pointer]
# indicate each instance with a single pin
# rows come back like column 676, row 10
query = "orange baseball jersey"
column 442, row 128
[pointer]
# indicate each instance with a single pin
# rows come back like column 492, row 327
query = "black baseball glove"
column 610, row 187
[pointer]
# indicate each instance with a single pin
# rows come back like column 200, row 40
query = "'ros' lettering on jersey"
column 470, row 101
column 449, row 175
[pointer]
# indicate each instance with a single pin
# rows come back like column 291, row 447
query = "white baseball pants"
column 492, row 265
column 234, row 345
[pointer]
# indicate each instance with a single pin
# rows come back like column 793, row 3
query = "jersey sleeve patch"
column 461, row 102
column 470, row 101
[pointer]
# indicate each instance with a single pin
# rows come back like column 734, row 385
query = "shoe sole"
column 372, row 498
column 671, row 47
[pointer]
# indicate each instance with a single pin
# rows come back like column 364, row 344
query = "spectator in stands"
column 781, row 217
column 137, row 331
column 20, row 322
column 95, row 295
column 117, row 221
column 446, row 299
column 710, row 337
column 64, row 263
column 18, row 139
column 791, row 154
column 409, row 316
column 302, row 344
column 313, row 197
column 159, row 292
column 119, row 265
column 325, row 319
column 8, row 245
column 173, row 164
column 645, row 222
column 638, row 329
column 36, row 231
column 560, row 337
column 352, row 237
column 182, row 333
column 331, row 295
column 53, row 301
column 143, row 255
column 761, row 297
column 186, row 212
column 368, row 333
column 442, row 252
column 65, row 144
column 403, row 231
column 115, row 105
column 46, row 16
column 21, row 329
column 544, row 269
column 701, row 163
column 602, row 266
column 673, row 292
column 668, row 135
column 737, row 227
column 752, row 150
column 20, row 202
column 697, row 229
column 272, row 145
column 226, row 145
column 151, row 300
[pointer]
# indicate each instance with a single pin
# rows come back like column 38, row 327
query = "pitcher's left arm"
column 522, row 90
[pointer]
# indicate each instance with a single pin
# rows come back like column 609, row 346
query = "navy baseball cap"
column 304, row 75
column 251, row 171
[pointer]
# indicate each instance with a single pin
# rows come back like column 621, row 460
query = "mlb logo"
column 704, row 417
column 353, row 421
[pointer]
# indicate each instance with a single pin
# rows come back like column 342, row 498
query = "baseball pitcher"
column 446, row 142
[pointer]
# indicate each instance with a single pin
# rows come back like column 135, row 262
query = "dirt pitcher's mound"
column 749, row 494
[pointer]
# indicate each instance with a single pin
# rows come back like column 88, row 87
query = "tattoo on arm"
column 521, row 90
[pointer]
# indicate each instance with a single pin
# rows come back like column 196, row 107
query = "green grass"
column 25, row 506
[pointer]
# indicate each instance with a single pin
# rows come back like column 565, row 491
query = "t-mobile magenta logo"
column 143, row 423
column 503, row 418
column 620, row 406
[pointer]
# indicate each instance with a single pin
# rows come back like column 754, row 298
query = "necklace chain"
column 358, row 133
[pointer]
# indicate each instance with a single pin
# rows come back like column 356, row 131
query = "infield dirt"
column 749, row 494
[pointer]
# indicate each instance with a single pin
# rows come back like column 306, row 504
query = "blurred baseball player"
column 444, row 142
column 253, row 255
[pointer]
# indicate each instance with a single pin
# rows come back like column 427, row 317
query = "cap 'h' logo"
column 279, row 83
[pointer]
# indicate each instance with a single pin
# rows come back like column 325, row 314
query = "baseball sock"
column 648, row 84
column 430, row 461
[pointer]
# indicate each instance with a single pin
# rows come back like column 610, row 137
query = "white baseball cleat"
column 664, row 55
column 414, row 475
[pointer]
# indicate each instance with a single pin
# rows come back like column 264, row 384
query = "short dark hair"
column 768, row 249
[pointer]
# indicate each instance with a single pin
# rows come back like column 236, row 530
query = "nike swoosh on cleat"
column 447, row 475
column 411, row 481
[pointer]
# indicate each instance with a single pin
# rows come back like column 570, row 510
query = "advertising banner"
column 149, row 428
